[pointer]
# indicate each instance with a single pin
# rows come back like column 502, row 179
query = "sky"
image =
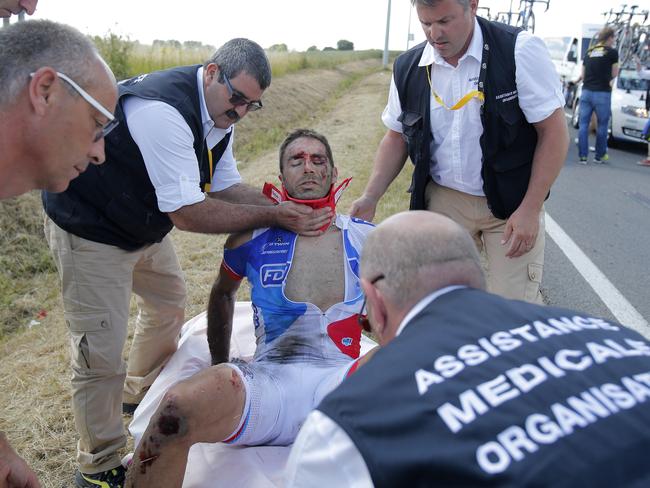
column 297, row 23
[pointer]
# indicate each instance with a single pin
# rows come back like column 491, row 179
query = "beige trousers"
column 97, row 281
column 517, row 278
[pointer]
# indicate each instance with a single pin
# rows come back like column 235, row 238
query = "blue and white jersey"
column 288, row 331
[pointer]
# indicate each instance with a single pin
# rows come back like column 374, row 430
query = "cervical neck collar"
column 329, row 200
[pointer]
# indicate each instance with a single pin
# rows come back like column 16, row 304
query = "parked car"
column 629, row 114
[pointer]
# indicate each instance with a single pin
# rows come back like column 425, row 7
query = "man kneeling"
column 306, row 295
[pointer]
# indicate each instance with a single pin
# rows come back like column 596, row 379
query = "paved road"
column 605, row 211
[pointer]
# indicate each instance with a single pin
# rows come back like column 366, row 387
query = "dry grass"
column 25, row 263
column 34, row 374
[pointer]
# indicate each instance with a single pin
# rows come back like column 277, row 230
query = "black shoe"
column 129, row 408
column 113, row 478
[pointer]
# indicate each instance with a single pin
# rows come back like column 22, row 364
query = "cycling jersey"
column 288, row 331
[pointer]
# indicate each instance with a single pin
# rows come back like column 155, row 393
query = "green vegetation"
column 28, row 279
column 128, row 58
column 25, row 261
column 344, row 45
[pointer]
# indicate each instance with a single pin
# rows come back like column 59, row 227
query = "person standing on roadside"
column 644, row 74
column 109, row 233
column 599, row 68
column 54, row 87
column 478, row 108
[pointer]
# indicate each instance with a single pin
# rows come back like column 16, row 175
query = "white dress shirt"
column 323, row 454
column 167, row 146
column 455, row 149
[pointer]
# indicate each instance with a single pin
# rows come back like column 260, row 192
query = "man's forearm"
column 221, row 308
column 549, row 157
column 242, row 193
column 216, row 216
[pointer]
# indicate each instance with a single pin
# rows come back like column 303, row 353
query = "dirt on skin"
column 35, row 407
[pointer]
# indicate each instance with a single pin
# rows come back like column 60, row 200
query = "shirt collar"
column 423, row 303
column 475, row 50
column 208, row 123
column 211, row 133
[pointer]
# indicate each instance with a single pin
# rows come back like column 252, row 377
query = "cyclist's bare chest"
column 317, row 274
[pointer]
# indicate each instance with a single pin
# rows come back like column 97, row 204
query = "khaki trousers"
column 97, row 281
column 517, row 278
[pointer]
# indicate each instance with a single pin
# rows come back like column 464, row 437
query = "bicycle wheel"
column 642, row 46
column 624, row 47
column 531, row 22
column 522, row 20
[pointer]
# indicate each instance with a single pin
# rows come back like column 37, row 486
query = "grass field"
column 343, row 102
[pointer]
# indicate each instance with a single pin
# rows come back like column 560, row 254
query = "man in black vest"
column 644, row 74
column 478, row 109
column 54, row 86
column 472, row 389
column 109, row 232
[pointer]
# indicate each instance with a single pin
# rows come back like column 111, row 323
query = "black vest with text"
column 478, row 390
column 508, row 141
column 115, row 203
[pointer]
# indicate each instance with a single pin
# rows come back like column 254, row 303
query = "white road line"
column 623, row 310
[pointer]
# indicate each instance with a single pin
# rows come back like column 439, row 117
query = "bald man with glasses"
column 40, row 107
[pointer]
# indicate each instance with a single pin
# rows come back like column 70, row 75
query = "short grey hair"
column 432, row 3
column 239, row 55
column 310, row 134
column 420, row 260
column 28, row 46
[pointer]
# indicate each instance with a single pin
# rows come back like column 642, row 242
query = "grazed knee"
column 170, row 423
column 173, row 416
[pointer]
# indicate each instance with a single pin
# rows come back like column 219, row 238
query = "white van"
column 567, row 54
column 629, row 114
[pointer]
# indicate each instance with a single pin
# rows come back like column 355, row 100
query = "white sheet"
column 217, row 465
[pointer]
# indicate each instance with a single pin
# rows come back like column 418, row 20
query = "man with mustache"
column 306, row 298
column 109, row 232
column 478, row 109
column 54, row 87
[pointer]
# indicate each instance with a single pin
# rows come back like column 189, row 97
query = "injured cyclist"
column 305, row 296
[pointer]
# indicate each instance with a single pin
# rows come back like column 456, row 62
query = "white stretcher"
column 217, row 465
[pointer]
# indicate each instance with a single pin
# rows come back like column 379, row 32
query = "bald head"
column 419, row 252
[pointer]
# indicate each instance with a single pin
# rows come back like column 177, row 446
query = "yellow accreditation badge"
column 460, row 103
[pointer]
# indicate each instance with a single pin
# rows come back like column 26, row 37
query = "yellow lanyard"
column 460, row 103
column 207, row 186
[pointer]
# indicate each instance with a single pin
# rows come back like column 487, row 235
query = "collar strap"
column 330, row 200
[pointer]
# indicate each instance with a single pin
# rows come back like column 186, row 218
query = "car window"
column 629, row 80
column 557, row 46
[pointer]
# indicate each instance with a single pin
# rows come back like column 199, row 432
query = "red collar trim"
column 330, row 200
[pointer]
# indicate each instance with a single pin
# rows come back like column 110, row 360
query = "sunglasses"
column 112, row 121
column 238, row 99
column 362, row 319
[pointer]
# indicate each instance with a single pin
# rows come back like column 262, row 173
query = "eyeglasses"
column 362, row 318
column 238, row 99
column 112, row 121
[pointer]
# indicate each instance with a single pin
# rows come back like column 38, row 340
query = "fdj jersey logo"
column 273, row 274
